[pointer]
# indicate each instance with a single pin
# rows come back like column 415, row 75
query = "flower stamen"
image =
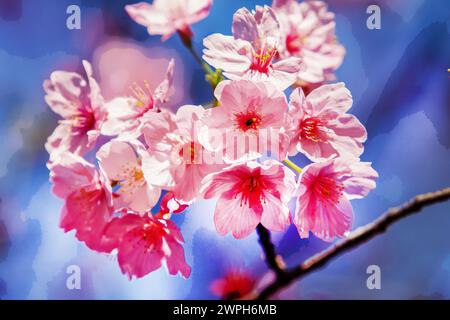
column 262, row 59
column 143, row 95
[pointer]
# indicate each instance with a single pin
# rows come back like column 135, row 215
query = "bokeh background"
column 399, row 80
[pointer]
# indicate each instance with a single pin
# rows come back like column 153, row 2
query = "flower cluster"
column 153, row 163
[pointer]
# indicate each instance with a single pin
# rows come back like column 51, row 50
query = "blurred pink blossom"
column 143, row 67
column 126, row 114
column 165, row 17
column 235, row 285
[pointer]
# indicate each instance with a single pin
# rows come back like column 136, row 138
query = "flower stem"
column 186, row 40
column 293, row 166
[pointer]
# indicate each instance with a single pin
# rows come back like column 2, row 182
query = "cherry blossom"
column 79, row 102
column 122, row 164
column 151, row 163
column 165, row 17
column 249, row 194
column 251, row 53
column 127, row 114
column 87, row 195
column 325, row 191
column 236, row 284
column 321, row 128
column 251, row 119
column 144, row 243
column 176, row 158
column 308, row 32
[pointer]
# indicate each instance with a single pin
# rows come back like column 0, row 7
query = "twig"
column 187, row 42
column 273, row 261
column 354, row 239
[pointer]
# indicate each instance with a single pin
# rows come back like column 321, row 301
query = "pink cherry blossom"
column 87, row 195
column 126, row 114
column 308, row 32
column 123, row 166
column 144, row 243
column 176, row 158
column 251, row 118
column 250, row 194
column 251, row 53
column 81, row 106
column 325, row 191
column 321, row 128
column 165, row 17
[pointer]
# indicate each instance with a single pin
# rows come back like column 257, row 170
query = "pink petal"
column 187, row 188
column 348, row 125
column 155, row 132
column 231, row 216
column 121, row 116
column 227, row 53
column 361, row 181
column 267, row 22
column 276, row 215
column 135, row 260
column 174, row 231
column 197, row 10
column 156, row 20
column 285, row 72
column 86, row 212
column 281, row 3
column 157, row 171
column 66, row 92
column 296, row 101
column 325, row 221
column 244, row 26
column 60, row 141
column 162, row 91
column 96, row 99
column 141, row 199
column 175, row 260
column 214, row 184
column 349, row 135
column 117, row 228
column 331, row 97
column 114, row 156
column 69, row 173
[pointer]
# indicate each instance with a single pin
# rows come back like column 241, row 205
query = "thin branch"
column 354, row 239
column 187, row 42
column 273, row 261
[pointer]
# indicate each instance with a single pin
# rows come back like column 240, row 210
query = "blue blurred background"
column 399, row 80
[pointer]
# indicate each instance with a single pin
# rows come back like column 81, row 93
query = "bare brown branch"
column 273, row 261
column 354, row 239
